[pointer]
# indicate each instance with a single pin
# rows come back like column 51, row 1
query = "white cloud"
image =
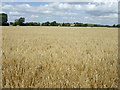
column 7, row 7
column 47, row 12
column 88, row 11
column 99, row 9
column 89, row 7
column 34, row 16
column 2, row 12
column 77, row 7
column 65, row 14
column 23, row 6
column 64, row 6
column 110, row 16
column 14, row 13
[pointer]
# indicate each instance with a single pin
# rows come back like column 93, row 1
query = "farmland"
column 59, row 57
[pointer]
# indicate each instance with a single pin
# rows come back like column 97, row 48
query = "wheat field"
column 59, row 57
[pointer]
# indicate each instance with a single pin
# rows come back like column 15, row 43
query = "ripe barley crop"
column 59, row 57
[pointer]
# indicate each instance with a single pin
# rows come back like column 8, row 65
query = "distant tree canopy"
column 78, row 24
column 118, row 25
column 19, row 21
column 32, row 24
column 65, row 24
column 90, row 25
column 3, row 19
column 114, row 25
column 46, row 24
column 53, row 23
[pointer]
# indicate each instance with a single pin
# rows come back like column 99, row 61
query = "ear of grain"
column 58, row 57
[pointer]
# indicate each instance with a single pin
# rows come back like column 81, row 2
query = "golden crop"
column 59, row 57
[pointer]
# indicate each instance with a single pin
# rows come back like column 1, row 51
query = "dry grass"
column 60, row 57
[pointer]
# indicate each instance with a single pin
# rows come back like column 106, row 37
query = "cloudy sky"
column 84, row 12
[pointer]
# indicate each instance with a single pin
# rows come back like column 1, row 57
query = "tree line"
column 21, row 22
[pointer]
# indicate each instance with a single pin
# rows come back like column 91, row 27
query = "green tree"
column 79, row 24
column 11, row 23
column 46, row 24
column 53, row 23
column 85, row 25
column 95, row 25
column 32, row 24
column 3, row 19
column 114, row 25
column 118, row 25
column 65, row 24
column 19, row 21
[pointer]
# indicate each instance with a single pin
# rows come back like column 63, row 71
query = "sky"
column 94, row 12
